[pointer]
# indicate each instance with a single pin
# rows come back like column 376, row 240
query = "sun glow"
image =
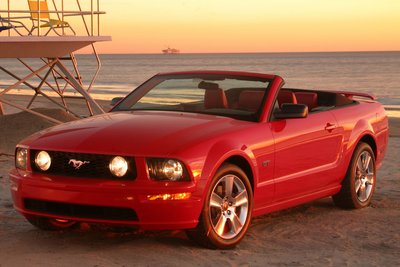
column 251, row 26
column 247, row 26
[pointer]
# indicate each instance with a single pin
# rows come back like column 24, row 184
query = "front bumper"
column 94, row 196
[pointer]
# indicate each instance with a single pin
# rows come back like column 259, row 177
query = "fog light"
column 13, row 186
column 118, row 166
column 43, row 160
column 179, row 196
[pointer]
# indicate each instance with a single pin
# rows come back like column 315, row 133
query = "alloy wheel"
column 365, row 176
column 229, row 202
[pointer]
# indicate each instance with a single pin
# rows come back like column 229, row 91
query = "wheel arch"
column 368, row 139
column 362, row 132
column 233, row 152
column 243, row 164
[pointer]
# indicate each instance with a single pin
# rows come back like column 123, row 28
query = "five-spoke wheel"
column 359, row 184
column 229, row 203
column 365, row 176
column 226, row 214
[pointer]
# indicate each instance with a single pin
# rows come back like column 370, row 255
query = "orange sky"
column 251, row 26
column 147, row 26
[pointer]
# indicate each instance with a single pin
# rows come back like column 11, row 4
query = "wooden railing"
column 88, row 12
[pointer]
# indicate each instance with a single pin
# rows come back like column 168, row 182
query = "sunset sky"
column 147, row 26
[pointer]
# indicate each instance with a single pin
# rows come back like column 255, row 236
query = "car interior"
column 244, row 103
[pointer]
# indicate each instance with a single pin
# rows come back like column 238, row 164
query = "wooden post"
column 8, row 14
column 62, row 16
column 91, row 17
column 38, row 19
column 1, row 109
column 98, row 17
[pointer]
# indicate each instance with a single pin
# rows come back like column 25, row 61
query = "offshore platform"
column 42, row 36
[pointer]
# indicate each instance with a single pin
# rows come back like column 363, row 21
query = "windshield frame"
column 133, row 97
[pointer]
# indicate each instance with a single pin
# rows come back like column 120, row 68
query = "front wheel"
column 359, row 184
column 226, row 214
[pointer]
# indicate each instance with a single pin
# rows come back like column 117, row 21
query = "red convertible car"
column 203, row 151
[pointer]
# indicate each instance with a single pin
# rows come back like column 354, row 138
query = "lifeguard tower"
column 43, row 38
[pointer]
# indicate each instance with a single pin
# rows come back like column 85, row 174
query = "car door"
column 306, row 154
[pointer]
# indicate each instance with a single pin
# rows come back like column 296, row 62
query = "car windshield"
column 239, row 97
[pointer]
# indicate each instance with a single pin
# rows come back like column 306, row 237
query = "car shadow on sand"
column 98, row 236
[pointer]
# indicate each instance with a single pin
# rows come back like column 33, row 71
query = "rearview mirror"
column 115, row 101
column 290, row 111
column 208, row 85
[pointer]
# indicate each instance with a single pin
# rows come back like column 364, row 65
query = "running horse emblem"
column 77, row 163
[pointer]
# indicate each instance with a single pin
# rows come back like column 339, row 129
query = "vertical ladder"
column 62, row 87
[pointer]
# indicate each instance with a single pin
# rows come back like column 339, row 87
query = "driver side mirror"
column 291, row 111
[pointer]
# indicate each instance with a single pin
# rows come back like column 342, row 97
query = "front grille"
column 80, row 211
column 96, row 166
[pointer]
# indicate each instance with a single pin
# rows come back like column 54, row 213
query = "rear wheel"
column 50, row 224
column 359, row 184
column 226, row 214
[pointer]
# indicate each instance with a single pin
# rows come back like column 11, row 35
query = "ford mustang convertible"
column 203, row 151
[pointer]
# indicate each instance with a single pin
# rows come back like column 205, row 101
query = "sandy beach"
column 315, row 234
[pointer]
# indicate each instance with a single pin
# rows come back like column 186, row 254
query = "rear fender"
column 360, row 130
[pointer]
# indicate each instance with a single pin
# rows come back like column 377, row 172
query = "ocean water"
column 371, row 72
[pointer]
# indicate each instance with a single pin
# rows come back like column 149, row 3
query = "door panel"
column 306, row 153
column 264, row 154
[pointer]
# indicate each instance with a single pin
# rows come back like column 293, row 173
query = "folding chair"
column 44, row 17
column 7, row 24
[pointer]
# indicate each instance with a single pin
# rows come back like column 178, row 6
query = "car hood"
column 150, row 133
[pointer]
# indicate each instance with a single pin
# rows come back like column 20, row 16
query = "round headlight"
column 118, row 166
column 43, row 160
column 173, row 170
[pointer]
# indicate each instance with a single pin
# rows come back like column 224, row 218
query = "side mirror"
column 115, row 101
column 291, row 111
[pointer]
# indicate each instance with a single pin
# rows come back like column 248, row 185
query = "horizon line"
column 260, row 52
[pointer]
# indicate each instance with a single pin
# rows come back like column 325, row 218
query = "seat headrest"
column 307, row 98
column 286, row 97
column 250, row 100
column 215, row 98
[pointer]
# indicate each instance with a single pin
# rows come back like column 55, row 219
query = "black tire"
column 224, row 213
column 359, row 184
column 50, row 224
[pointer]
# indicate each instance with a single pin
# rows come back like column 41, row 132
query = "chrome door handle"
column 330, row 127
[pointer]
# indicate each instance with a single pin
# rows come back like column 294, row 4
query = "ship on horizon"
column 170, row 50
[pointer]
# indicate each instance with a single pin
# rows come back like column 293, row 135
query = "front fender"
column 219, row 153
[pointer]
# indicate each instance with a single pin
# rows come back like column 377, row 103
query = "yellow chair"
column 44, row 17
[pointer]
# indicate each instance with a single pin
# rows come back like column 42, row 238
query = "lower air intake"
column 80, row 211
